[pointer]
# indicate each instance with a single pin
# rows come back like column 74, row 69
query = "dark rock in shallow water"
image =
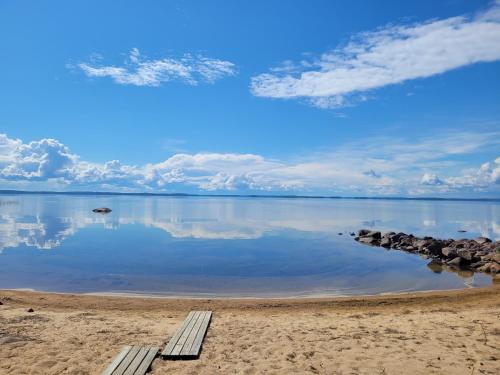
column 385, row 242
column 102, row 210
column 374, row 234
column 449, row 252
column 455, row 262
column 352, row 234
column 434, row 247
column 369, row 240
column 461, row 231
column 480, row 255
column 465, row 254
column 478, row 264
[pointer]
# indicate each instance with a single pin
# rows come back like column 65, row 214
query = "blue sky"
column 311, row 97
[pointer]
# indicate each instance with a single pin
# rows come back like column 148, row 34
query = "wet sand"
column 451, row 332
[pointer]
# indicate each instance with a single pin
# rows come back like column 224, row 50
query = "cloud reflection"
column 56, row 219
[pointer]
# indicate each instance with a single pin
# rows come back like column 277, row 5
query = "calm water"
column 227, row 246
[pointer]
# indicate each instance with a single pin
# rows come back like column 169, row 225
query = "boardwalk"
column 132, row 360
column 187, row 341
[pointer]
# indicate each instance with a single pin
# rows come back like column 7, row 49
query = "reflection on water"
column 227, row 246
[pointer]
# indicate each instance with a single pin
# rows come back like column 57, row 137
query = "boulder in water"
column 102, row 210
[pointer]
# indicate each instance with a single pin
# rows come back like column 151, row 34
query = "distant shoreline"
column 107, row 193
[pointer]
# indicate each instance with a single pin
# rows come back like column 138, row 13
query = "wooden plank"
column 148, row 359
column 134, row 365
column 127, row 360
column 187, row 342
column 173, row 341
column 117, row 360
column 186, row 348
column 200, row 336
column 182, row 340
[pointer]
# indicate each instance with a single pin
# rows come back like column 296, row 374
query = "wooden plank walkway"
column 132, row 360
column 187, row 341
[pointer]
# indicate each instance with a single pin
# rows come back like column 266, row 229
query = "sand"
column 454, row 332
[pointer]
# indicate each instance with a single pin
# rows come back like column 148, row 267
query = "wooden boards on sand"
column 132, row 360
column 187, row 341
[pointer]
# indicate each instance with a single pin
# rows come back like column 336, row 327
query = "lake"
column 225, row 246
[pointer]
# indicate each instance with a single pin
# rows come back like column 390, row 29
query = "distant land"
column 106, row 193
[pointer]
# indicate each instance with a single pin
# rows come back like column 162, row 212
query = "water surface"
column 202, row 246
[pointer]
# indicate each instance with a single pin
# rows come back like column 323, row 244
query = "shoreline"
column 437, row 332
column 46, row 299
column 304, row 296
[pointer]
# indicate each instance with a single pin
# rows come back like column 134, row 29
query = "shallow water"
column 202, row 246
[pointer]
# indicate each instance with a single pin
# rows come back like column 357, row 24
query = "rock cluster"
column 480, row 254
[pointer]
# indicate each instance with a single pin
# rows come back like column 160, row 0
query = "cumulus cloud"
column 373, row 166
column 486, row 176
column 389, row 55
column 139, row 71
column 431, row 180
column 39, row 160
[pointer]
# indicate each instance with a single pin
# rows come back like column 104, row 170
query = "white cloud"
column 486, row 176
column 389, row 55
column 138, row 71
column 371, row 166
column 431, row 180
column 39, row 160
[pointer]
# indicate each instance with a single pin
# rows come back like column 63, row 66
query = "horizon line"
column 285, row 196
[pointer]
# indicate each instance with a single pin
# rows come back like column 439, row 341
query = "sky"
column 309, row 97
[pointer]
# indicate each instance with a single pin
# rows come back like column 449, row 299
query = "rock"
column 478, row 264
column 485, row 268
column 494, row 268
column 466, row 255
column 385, row 242
column 481, row 254
column 30, row 310
column 374, row 234
column 449, row 252
column 102, row 210
column 491, row 267
column 455, row 262
column 487, row 257
column 405, row 241
column 352, row 234
column 340, row 234
column 1, row 303
column 369, row 240
column 482, row 240
column 461, row 231
column 420, row 244
column 434, row 247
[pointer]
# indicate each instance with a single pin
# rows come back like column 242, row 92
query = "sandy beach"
column 450, row 332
